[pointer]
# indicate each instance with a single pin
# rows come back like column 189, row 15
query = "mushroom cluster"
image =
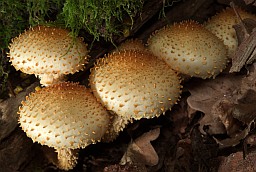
column 48, row 52
column 134, row 85
column 131, row 83
column 190, row 49
column 64, row 116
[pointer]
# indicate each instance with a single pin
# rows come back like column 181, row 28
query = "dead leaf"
column 231, row 114
column 247, row 2
column 223, row 109
column 8, row 112
column 244, row 28
column 181, row 116
column 236, row 162
column 245, row 112
column 209, row 93
column 249, row 81
column 246, row 51
column 141, row 151
column 245, row 109
column 235, row 140
column 122, row 168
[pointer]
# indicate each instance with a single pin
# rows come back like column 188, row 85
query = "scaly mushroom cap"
column 190, row 49
column 48, row 52
column 132, row 44
column 135, row 85
column 65, row 115
column 222, row 26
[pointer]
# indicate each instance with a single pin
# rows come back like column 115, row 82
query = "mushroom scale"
column 135, row 84
column 48, row 52
column 222, row 26
column 63, row 116
column 190, row 49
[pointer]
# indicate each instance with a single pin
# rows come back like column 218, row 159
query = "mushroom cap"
column 132, row 44
column 64, row 115
column 47, row 50
column 222, row 26
column 190, row 49
column 135, row 84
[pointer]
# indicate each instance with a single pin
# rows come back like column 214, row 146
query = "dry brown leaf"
column 231, row 114
column 181, row 116
column 122, row 168
column 235, row 140
column 245, row 109
column 207, row 94
column 236, row 162
column 247, row 2
column 249, row 81
column 223, row 109
column 140, row 151
column 246, row 51
column 8, row 112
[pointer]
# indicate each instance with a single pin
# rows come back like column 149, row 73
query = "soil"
column 199, row 133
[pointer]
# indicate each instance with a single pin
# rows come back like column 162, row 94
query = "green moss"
column 100, row 18
column 43, row 11
column 12, row 22
column 4, row 73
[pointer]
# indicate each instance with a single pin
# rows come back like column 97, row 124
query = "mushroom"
column 131, row 44
column 134, row 85
column 48, row 52
column 64, row 116
column 189, row 49
column 222, row 26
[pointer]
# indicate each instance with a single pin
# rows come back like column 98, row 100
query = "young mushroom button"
column 134, row 85
column 48, row 52
column 189, row 49
column 64, row 116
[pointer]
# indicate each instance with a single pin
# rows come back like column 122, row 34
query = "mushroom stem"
column 50, row 79
column 117, row 124
column 67, row 158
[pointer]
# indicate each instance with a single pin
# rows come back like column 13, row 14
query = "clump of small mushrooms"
column 134, row 85
column 190, row 49
column 131, row 83
column 64, row 116
column 222, row 26
column 48, row 52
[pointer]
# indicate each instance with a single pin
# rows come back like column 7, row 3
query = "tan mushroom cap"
column 222, row 26
column 190, row 49
column 64, row 115
column 132, row 44
column 135, row 85
column 48, row 52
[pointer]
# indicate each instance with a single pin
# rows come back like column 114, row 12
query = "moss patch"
column 100, row 18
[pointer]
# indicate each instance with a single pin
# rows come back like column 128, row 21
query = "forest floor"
column 211, row 128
